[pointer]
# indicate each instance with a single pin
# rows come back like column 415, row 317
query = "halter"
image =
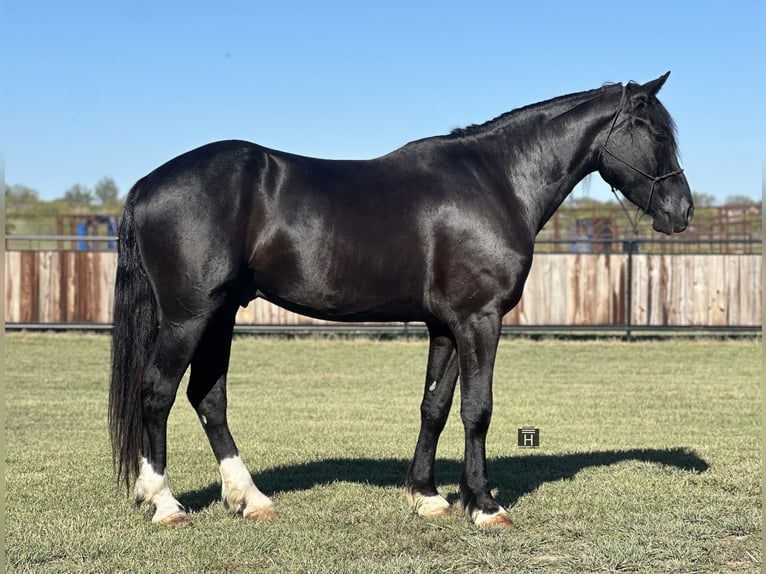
column 633, row 222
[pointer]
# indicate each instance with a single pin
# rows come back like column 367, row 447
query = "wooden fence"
column 563, row 289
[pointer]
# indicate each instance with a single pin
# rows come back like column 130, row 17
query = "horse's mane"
column 659, row 116
column 475, row 129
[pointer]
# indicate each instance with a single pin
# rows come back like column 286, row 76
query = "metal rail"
column 544, row 241
column 420, row 330
column 20, row 237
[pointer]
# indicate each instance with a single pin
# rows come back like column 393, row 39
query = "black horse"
column 441, row 230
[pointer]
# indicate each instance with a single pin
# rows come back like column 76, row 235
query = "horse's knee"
column 476, row 419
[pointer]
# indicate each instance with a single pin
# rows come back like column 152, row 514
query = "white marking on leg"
column 239, row 491
column 432, row 387
column 498, row 518
column 427, row 506
column 153, row 489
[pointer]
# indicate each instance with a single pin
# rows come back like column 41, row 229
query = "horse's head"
column 639, row 157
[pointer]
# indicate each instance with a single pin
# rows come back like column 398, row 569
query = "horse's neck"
column 557, row 153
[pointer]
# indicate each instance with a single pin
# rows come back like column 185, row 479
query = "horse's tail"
column 133, row 336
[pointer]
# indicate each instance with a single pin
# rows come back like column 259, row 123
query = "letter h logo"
column 529, row 437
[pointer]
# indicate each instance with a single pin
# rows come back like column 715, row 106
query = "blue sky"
column 115, row 88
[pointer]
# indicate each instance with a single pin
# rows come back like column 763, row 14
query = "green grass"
column 650, row 461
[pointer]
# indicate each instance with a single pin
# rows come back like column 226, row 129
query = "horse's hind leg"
column 207, row 394
column 441, row 376
column 172, row 352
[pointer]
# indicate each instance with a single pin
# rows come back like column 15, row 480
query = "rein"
column 642, row 211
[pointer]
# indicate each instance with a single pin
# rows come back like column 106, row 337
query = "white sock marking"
column 428, row 506
column 153, row 489
column 239, row 491
column 480, row 518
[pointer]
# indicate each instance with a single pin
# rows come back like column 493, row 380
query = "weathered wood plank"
column 12, row 286
column 562, row 289
column 49, row 292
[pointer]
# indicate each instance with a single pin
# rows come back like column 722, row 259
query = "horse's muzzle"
column 676, row 221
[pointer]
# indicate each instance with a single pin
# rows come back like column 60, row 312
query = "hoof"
column 262, row 513
column 180, row 519
column 435, row 512
column 428, row 506
column 499, row 521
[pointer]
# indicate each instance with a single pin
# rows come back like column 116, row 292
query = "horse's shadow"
column 514, row 476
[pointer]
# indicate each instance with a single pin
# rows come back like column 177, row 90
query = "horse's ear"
column 651, row 88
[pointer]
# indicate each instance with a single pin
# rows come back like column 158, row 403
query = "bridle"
column 654, row 178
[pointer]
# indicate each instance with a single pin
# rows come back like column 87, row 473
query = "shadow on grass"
column 513, row 476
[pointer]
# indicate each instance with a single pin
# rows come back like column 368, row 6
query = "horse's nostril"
column 689, row 213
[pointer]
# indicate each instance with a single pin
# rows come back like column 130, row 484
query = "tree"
column 79, row 194
column 703, row 199
column 740, row 200
column 20, row 196
column 106, row 190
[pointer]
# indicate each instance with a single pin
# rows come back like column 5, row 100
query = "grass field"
column 650, row 461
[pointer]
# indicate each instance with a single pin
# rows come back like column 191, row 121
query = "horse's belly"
column 348, row 294
column 351, row 309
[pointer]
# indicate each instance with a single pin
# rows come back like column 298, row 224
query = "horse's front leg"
column 477, row 340
column 441, row 376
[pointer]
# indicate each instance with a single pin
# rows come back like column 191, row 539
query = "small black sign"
column 529, row 437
